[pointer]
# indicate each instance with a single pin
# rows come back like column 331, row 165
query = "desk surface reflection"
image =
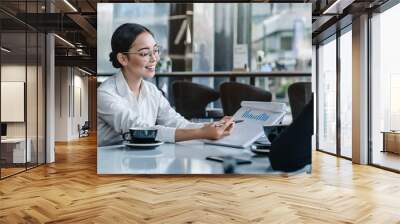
column 181, row 158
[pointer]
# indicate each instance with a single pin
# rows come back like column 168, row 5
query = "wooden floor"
column 70, row 191
column 10, row 171
column 386, row 159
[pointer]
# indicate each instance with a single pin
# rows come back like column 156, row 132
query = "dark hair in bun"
column 122, row 39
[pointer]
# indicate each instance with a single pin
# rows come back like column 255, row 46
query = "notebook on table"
column 255, row 115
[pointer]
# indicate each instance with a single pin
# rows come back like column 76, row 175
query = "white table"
column 19, row 155
column 180, row 158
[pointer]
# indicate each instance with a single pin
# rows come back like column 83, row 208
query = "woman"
column 126, row 100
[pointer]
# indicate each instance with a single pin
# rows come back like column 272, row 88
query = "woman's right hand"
column 213, row 132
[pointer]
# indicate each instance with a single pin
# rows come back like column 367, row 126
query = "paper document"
column 255, row 115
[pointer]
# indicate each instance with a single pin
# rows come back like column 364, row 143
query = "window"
column 286, row 43
column 346, row 93
column 385, row 84
column 280, row 41
column 327, row 96
column 281, row 33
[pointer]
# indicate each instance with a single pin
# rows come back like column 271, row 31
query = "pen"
column 235, row 121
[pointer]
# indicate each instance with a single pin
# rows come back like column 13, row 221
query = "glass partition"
column 14, row 153
column 280, row 39
column 385, row 89
column 327, row 96
column 31, row 97
column 203, row 42
column 22, row 89
column 41, row 97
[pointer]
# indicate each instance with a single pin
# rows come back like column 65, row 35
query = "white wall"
column 70, row 83
column 61, row 103
column 33, row 126
column 79, row 117
column 12, row 73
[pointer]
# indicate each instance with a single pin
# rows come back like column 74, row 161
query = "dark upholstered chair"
column 83, row 130
column 233, row 93
column 291, row 150
column 299, row 95
column 191, row 99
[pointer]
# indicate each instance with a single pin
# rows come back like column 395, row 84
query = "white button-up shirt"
column 118, row 110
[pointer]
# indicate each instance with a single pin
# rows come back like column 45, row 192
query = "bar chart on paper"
column 255, row 115
column 259, row 117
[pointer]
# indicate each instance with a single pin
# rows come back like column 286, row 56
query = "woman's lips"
column 150, row 68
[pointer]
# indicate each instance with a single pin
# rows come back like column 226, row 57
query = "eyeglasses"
column 146, row 53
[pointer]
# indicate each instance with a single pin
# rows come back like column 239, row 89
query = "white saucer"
column 261, row 151
column 150, row 145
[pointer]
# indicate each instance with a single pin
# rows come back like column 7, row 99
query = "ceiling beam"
column 82, row 61
column 86, row 26
column 321, row 23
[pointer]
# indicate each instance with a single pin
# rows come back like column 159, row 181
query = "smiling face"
column 141, row 59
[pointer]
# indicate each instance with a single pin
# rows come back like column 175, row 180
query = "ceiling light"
column 329, row 9
column 5, row 50
column 70, row 5
column 79, row 51
column 84, row 71
column 65, row 41
column 337, row 7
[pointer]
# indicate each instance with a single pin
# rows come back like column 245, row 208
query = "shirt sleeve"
column 121, row 118
column 167, row 116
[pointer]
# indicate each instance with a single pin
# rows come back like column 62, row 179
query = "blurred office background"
column 203, row 37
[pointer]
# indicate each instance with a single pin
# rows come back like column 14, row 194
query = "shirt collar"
column 123, row 88
column 122, row 85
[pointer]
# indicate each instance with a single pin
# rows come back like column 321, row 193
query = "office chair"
column 291, row 150
column 233, row 93
column 84, row 129
column 299, row 94
column 191, row 99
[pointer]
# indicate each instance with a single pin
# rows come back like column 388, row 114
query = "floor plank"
column 70, row 191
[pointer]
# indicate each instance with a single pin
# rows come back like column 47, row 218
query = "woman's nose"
column 153, row 57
